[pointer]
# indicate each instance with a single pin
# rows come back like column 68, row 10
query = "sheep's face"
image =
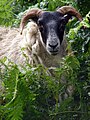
column 52, row 25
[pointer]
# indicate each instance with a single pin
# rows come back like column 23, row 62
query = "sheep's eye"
column 41, row 27
column 61, row 26
column 40, row 23
column 63, row 21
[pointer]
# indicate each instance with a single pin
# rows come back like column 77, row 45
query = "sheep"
column 43, row 38
column 51, row 26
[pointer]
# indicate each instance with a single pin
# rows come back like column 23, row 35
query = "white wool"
column 13, row 46
column 31, row 41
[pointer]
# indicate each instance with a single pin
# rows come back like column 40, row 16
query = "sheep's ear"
column 32, row 14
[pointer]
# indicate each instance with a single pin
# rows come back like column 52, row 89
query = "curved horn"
column 71, row 11
column 33, row 13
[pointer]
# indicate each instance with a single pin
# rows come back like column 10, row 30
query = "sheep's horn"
column 71, row 11
column 33, row 13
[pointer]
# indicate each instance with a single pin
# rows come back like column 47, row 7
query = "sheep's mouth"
column 53, row 52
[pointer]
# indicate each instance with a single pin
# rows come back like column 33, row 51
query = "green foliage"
column 6, row 14
column 83, row 6
column 53, row 4
column 30, row 93
column 11, row 10
column 85, row 24
column 79, row 39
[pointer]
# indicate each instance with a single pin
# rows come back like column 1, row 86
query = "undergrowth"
column 29, row 93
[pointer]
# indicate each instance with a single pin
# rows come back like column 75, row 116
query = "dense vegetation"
column 30, row 94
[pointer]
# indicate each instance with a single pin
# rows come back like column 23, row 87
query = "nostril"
column 53, row 46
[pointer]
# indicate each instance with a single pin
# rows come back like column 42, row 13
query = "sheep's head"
column 51, row 25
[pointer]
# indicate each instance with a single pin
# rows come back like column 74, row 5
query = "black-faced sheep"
column 51, row 27
column 43, row 40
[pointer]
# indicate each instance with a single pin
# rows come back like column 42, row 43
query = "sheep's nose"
column 53, row 46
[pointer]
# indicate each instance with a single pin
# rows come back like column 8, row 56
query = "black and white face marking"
column 51, row 26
